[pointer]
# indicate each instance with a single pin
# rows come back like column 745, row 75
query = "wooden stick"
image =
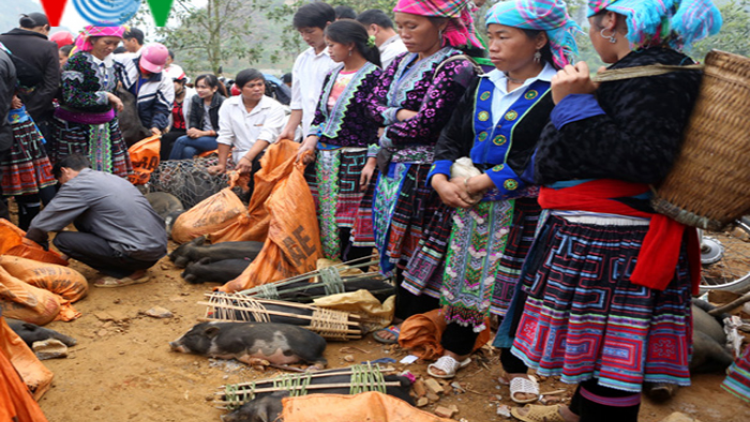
column 731, row 305
column 330, row 372
column 277, row 302
column 310, row 387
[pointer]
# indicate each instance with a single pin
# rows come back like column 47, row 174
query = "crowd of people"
column 489, row 172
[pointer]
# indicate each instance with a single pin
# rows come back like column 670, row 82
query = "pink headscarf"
column 460, row 29
column 82, row 40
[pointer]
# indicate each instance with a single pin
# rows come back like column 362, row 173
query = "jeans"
column 187, row 147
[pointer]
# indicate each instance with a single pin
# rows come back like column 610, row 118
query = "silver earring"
column 350, row 53
column 537, row 56
column 611, row 38
column 440, row 35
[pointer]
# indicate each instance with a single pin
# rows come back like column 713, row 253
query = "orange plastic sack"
column 66, row 283
column 275, row 165
column 144, row 155
column 421, row 334
column 26, row 302
column 293, row 243
column 371, row 406
column 13, row 242
column 17, row 395
column 63, row 281
column 210, row 215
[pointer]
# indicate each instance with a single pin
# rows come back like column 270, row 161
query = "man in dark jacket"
column 30, row 46
column 7, row 89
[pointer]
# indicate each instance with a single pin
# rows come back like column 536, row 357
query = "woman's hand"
column 16, row 103
column 572, row 80
column 405, row 114
column 193, row 133
column 115, row 101
column 452, row 194
column 309, row 144
column 156, row 131
column 367, row 171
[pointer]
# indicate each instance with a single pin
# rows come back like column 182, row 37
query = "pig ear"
column 29, row 326
column 211, row 331
column 262, row 413
column 199, row 241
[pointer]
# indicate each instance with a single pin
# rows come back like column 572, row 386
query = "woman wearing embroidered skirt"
column 608, row 281
column 414, row 99
column 86, row 122
column 497, row 124
column 340, row 136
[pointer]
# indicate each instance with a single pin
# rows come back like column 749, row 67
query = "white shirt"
column 391, row 48
column 241, row 129
column 502, row 99
column 308, row 74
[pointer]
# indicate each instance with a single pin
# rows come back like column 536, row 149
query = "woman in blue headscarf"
column 493, row 214
column 608, row 281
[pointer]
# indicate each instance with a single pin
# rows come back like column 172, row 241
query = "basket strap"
column 642, row 71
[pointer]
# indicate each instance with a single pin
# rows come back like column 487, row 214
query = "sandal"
column 110, row 281
column 538, row 413
column 393, row 329
column 448, row 365
column 525, row 386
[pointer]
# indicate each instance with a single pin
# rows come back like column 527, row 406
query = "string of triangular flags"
column 159, row 9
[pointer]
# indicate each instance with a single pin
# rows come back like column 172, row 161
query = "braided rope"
column 331, row 281
column 268, row 291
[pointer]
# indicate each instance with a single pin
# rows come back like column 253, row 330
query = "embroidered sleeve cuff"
column 573, row 108
column 102, row 98
column 389, row 115
column 385, row 141
column 440, row 167
column 505, row 179
column 372, row 151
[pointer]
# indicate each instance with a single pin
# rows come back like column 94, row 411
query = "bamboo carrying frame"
column 362, row 378
column 330, row 324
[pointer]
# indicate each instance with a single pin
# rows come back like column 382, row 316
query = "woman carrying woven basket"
column 608, row 282
column 492, row 215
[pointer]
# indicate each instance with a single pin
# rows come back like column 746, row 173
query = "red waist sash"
column 660, row 250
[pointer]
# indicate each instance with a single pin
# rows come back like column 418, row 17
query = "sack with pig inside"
column 293, row 243
column 210, row 215
column 144, row 155
column 13, row 242
column 21, row 373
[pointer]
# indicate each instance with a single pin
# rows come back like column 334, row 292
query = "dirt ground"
column 122, row 369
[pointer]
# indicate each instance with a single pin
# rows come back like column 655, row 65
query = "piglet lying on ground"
column 195, row 250
column 214, row 272
column 31, row 333
column 246, row 341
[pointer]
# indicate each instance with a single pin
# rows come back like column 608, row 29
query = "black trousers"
column 95, row 252
column 167, row 142
column 594, row 403
column 408, row 304
column 459, row 339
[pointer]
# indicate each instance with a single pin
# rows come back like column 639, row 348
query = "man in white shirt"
column 386, row 38
column 311, row 67
column 248, row 122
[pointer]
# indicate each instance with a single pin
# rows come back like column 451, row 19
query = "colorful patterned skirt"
column 488, row 245
column 738, row 380
column 334, row 183
column 26, row 168
column 101, row 143
column 584, row 319
column 396, row 209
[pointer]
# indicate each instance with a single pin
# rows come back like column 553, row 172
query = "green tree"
column 734, row 36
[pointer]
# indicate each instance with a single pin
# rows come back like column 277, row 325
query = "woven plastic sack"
column 211, row 215
column 144, row 155
column 421, row 335
column 16, row 404
column 23, row 301
column 68, row 284
column 293, row 243
column 370, row 406
column 276, row 164
column 13, row 242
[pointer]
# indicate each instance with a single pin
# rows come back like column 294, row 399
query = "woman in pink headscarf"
column 86, row 120
column 414, row 99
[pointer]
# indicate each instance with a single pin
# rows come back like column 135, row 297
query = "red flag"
column 54, row 10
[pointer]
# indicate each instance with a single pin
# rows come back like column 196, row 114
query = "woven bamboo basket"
column 709, row 185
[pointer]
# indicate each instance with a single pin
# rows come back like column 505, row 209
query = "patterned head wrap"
column 680, row 22
column 460, row 29
column 549, row 16
column 82, row 40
